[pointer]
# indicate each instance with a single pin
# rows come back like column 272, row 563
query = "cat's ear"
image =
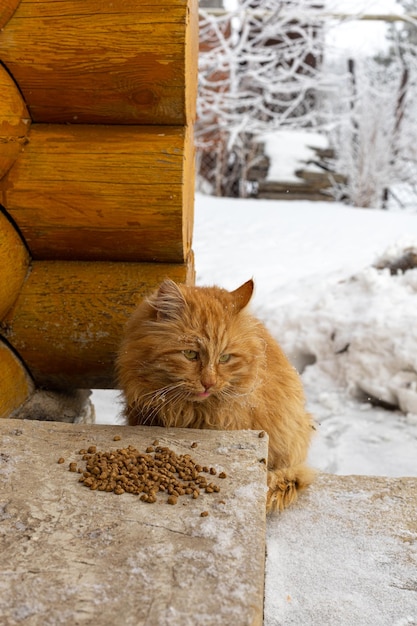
column 243, row 294
column 169, row 302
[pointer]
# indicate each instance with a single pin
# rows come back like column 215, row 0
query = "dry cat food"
column 159, row 469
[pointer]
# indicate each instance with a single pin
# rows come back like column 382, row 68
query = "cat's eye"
column 224, row 358
column 191, row 355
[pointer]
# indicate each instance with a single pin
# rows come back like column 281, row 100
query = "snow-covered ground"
column 289, row 151
column 350, row 328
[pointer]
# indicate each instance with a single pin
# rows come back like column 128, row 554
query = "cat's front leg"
column 285, row 483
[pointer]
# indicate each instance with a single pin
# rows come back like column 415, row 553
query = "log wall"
column 97, row 62
column 114, row 193
column 97, row 104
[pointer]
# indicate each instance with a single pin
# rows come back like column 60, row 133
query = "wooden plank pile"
column 314, row 184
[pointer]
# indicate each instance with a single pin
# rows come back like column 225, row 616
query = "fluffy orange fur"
column 194, row 357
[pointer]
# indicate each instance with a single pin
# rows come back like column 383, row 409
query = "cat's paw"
column 284, row 485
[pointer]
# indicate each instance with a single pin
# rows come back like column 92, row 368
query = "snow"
column 349, row 327
column 362, row 572
column 289, row 150
column 358, row 38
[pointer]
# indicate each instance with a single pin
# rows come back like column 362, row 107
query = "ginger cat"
column 194, row 357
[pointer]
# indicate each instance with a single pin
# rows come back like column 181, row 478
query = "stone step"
column 70, row 555
column 345, row 554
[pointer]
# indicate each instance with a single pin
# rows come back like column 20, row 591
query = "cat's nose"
column 208, row 377
column 208, row 383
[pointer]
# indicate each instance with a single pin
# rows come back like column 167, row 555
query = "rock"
column 72, row 406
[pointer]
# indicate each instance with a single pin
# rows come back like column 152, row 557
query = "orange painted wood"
column 7, row 8
column 67, row 322
column 14, row 122
column 16, row 385
column 14, row 265
column 95, row 61
column 115, row 193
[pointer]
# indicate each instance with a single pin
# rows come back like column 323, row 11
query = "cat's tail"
column 285, row 484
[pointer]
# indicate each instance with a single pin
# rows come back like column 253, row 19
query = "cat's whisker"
column 231, row 392
column 159, row 394
column 153, row 401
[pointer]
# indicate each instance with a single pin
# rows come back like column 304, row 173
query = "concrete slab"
column 345, row 554
column 73, row 556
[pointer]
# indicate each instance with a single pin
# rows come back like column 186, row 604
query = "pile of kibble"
column 158, row 469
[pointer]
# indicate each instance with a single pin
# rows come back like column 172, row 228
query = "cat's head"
column 192, row 344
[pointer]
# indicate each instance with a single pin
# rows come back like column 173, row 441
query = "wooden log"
column 274, row 190
column 14, row 264
column 324, row 153
column 14, row 122
column 286, row 187
column 109, row 193
column 67, row 322
column 16, row 385
column 7, row 8
column 321, row 179
column 119, row 62
column 294, row 195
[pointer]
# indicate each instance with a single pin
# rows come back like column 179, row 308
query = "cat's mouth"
column 202, row 395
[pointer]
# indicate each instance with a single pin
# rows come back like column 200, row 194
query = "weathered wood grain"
column 14, row 122
column 69, row 316
column 119, row 62
column 7, row 8
column 322, row 179
column 16, row 386
column 119, row 193
column 14, row 265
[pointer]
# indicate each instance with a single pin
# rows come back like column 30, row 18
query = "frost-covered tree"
column 374, row 129
column 264, row 66
column 403, row 34
column 258, row 71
